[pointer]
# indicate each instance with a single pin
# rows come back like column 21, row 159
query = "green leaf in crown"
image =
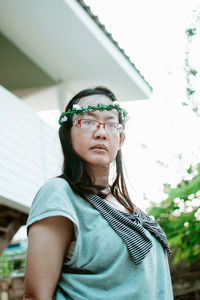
column 78, row 110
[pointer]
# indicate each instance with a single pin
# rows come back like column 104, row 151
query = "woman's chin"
column 98, row 159
column 99, row 162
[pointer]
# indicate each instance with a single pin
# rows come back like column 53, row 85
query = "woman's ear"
column 122, row 139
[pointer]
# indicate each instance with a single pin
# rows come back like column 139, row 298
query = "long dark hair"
column 75, row 169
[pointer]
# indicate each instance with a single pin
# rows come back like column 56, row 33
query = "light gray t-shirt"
column 100, row 266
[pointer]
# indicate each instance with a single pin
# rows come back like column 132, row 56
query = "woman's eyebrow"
column 93, row 114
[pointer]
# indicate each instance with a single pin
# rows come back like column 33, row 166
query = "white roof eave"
column 64, row 41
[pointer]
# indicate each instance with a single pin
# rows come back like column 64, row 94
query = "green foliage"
column 12, row 262
column 190, row 91
column 179, row 216
column 4, row 267
column 193, row 72
column 190, row 71
column 190, row 32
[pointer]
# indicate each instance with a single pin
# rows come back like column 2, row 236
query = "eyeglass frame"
column 78, row 122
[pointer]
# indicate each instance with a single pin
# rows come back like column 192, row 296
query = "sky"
column 152, row 33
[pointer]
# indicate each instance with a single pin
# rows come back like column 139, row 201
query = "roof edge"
column 109, row 35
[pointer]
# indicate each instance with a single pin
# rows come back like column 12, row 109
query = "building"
column 49, row 50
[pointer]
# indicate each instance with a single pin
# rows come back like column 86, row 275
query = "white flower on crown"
column 64, row 119
column 76, row 106
column 127, row 118
column 114, row 102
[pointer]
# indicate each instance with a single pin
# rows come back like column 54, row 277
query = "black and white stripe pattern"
column 130, row 228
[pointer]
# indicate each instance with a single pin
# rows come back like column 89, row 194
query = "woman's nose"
column 100, row 132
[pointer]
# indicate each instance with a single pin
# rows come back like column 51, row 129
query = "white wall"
column 29, row 152
column 46, row 98
column 40, row 99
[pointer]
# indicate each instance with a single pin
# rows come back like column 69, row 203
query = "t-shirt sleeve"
column 54, row 198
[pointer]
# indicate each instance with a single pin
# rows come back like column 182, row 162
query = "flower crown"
column 78, row 110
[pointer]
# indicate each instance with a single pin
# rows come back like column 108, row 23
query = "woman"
column 87, row 240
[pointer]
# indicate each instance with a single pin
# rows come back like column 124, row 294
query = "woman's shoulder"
column 55, row 197
column 56, row 185
column 53, row 192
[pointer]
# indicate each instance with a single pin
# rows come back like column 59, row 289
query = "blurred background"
column 147, row 53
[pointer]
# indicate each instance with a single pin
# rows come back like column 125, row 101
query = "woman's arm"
column 48, row 243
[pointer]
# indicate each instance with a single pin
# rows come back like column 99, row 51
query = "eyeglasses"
column 93, row 125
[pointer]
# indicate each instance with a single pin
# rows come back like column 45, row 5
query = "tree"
column 179, row 216
column 190, row 71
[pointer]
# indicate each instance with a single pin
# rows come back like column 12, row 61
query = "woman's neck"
column 99, row 175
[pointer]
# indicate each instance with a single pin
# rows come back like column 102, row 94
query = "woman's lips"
column 99, row 148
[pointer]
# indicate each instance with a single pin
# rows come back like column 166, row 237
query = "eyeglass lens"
column 93, row 125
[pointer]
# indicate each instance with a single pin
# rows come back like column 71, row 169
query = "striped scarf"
column 130, row 228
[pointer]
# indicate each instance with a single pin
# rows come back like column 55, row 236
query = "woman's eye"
column 112, row 126
column 88, row 122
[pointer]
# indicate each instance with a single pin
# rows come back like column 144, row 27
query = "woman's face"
column 97, row 147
